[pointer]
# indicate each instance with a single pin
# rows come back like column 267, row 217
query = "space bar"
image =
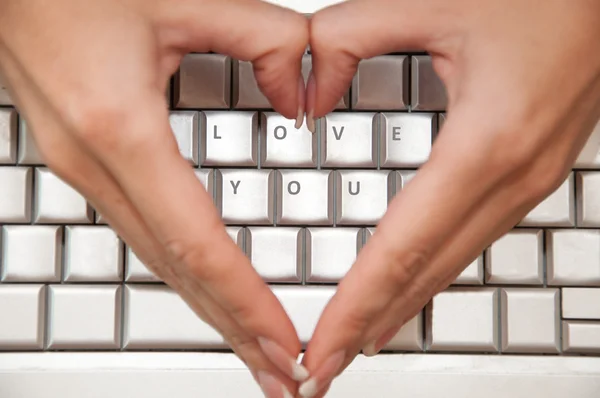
column 187, row 375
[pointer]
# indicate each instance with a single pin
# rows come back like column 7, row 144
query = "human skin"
column 524, row 94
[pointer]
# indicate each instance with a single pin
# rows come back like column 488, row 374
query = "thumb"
column 272, row 38
column 343, row 34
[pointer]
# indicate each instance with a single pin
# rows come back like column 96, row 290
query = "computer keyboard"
column 81, row 316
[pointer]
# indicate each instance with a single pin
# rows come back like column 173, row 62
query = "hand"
column 523, row 82
column 90, row 79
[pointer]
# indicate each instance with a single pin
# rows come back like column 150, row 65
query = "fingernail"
column 369, row 350
column 323, row 376
column 271, row 387
column 311, row 90
column 283, row 360
column 301, row 102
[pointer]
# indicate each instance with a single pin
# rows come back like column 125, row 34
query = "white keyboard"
column 81, row 316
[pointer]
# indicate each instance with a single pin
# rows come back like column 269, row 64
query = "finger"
column 345, row 33
column 271, row 37
column 454, row 173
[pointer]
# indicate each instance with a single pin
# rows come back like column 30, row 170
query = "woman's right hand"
column 90, row 76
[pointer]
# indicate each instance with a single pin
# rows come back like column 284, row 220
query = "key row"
column 251, row 139
column 76, row 254
column 284, row 197
column 212, row 138
column 142, row 317
column 214, row 81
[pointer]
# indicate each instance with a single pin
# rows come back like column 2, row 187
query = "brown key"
column 203, row 82
column 381, row 83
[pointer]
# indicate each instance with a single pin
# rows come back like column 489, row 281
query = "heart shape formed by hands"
column 90, row 80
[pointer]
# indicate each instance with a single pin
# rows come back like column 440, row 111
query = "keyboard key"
column 362, row 196
column 589, row 157
column 28, row 153
column 15, row 201
column 581, row 337
column 276, row 253
column 588, row 199
column 304, row 305
column 282, row 145
column 203, row 82
column 516, row 258
column 22, row 310
column 556, row 210
column 8, row 136
column 229, row 139
column 307, row 67
column 530, row 320
column 84, row 317
column 349, row 140
column 580, row 303
column 136, row 270
column 409, row 337
column 92, row 254
column 158, row 318
column 428, row 91
column 463, row 319
column 303, row 197
column 185, row 128
column 58, row 202
column 381, row 83
column 206, row 178
column 31, row 253
column 246, row 94
column 473, row 274
column 405, row 139
column 331, row 252
column 573, row 257
column 244, row 196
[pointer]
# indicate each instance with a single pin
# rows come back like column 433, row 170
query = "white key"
column 282, row 145
column 580, row 303
column 530, row 320
column 276, row 253
column 156, row 317
column 581, row 337
column 22, row 310
column 573, row 257
column 409, row 337
column 589, row 157
column 304, row 305
column 362, row 196
column 331, row 252
column 185, row 126
column 406, row 139
column 84, row 317
column 516, row 258
column 229, row 139
column 92, row 254
column 245, row 196
column 31, row 253
column 588, row 199
column 28, row 151
column 15, row 201
column 556, row 210
column 238, row 235
column 303, row 197
column 349, row 140
column 473, row 274
column 136, row 270
column 58, row 202
column 461, row 319
column 8, row 136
